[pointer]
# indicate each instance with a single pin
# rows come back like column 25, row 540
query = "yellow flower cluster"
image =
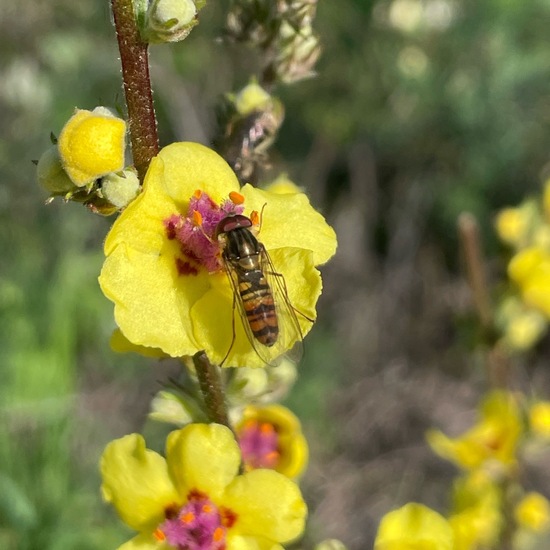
column 523, row 316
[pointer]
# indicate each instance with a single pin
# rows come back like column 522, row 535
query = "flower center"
column 195, row 231
column 259, row 443
column 198, row 525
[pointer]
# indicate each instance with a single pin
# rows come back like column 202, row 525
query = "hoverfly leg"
column 283, row 282
column 232, row 330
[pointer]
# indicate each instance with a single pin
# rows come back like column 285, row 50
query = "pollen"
column 255, row 217
column 267, row 428
column 188, row 517
column 197, row 218
column 197, row 194
column 207, row 508
column 218, row 534
column 159, row 534
column 236, row 198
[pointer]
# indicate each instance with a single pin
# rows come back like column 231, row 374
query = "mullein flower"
column 164, row 270
column 539, row 419
column 476, row 517
column 533, row 513
column 271, row 437
column 491, row 443
column 195, row 498
column 530, row 270
column 414, row 527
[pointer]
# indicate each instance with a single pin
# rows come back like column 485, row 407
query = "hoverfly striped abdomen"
column 242, row 254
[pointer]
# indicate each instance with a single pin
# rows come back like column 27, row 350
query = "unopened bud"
column 331, row 544
column 300, row 50
column 171, row 20
column 120, row 188
column 51, row 175
column 92, row 145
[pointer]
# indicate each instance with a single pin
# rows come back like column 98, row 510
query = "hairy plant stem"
column 211, row 388
column 137, row 86
column 498, row 364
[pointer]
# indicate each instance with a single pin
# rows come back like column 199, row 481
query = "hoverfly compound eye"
column 230, row 223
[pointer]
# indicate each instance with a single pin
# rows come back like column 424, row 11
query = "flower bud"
column 252, row 98
column 171, row 20
column 51, row 175
column 299, row 51
column 331, row 544
column 120, row 188
column 166, row 407
column 91, row 145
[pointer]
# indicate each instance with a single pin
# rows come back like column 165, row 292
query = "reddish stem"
column 137, row 86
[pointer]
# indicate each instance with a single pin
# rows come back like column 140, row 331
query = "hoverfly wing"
column 290, row 338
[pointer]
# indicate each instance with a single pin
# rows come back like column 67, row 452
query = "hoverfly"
column 268, row 317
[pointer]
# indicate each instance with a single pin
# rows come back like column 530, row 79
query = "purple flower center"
column 259, row 442
column 198, row 525
column 196, row 232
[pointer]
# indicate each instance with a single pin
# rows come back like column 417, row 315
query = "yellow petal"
column 533, row 512
column 539, row 418
column 237, row 542
column 152, row 302
column 136, row 482
column 267, row 504
column 203, row 457
column 289, row 221
column 144, row 542
column 414, row 527
column 121, row 344
column 190, row 166
column 91, row 145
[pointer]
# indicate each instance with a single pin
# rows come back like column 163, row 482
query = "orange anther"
column 255, row 217
column 218, row 534
column 207, row 508
column 272, row 457
column 188, row 518
column 236, row 198
column 197, row 194
column 159, row 535
column 267, row 428
column 197, row 218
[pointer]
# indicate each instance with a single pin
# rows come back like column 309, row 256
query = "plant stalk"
column 211, row 388
column 137, row 86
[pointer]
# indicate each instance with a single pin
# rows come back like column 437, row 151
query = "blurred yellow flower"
column 533, row 512
column 163, row 268
column 91, row 145
column 194, row 498
column 491, row 442
column 514, row 225
column 476, row 517
column 271, row 437
column 530, row 270
column 539, row 419
column 414, row 527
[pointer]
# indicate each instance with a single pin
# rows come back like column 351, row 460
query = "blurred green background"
column 421, row 109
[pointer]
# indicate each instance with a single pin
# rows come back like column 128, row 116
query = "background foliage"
column 422, row 108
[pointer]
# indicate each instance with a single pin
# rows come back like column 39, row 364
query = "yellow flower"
column 513, row 224
column 539, row 419
column 164, row 271
column 91, row 145
column 414, row 527
column 530, row 269
column 476, row 518
column 491, row 442
column 533, row 512
column 195, row 496
column 271, row 437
